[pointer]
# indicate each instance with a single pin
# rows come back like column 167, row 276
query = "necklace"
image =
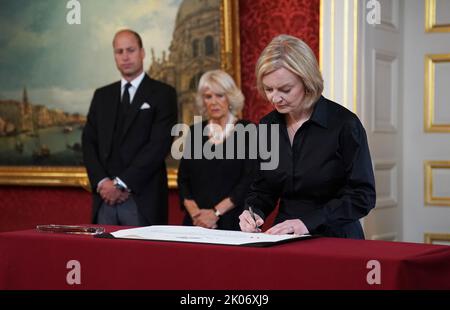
column 291, row 130
column 295, row 125
column 291, row 133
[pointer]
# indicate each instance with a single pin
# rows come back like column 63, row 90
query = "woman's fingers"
column 280, row 229
column 248, row 224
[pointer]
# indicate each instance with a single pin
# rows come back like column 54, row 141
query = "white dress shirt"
column 134, row 85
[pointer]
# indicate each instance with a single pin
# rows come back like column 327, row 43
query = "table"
column 36, row 260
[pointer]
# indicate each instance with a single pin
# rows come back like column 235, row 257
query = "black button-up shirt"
column 325, row 178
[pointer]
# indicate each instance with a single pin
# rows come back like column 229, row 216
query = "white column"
column 339, row 51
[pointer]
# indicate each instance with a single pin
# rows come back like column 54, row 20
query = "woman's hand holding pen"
column 249, row 223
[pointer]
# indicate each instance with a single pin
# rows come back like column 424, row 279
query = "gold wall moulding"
column 430, row 199
column 431, row 24
column 44, row 176
column 57, row 176
column 429, row 93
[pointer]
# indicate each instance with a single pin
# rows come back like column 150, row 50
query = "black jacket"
column 209, row 181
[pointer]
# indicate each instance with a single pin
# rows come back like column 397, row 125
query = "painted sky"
column 62, row 64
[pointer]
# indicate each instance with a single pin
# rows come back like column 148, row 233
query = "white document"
column 200, row 235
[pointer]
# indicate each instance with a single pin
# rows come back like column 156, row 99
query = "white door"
column 361, row 64
column 426, row 149
column 392, row 91
column 381, row 102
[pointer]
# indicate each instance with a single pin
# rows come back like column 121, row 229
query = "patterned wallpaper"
column 260, row 21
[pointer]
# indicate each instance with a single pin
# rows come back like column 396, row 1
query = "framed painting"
column 51, row 67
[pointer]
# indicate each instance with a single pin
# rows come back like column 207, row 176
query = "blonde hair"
column 219, row 81
column 294, row 55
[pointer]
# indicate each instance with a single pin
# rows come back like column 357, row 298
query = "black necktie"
column 126, row 97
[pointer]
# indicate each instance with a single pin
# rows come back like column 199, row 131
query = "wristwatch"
column 118, row 185
column 217, row 212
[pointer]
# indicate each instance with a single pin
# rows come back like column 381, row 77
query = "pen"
column 250, row 209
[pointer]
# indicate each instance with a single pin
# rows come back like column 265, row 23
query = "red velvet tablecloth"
column 36, row 260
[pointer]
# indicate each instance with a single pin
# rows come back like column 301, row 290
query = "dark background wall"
column 260, row 21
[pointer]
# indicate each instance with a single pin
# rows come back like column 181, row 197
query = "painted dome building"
column 194, row 49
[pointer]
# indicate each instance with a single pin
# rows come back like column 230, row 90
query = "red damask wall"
column 260, row 21
column 26, row 207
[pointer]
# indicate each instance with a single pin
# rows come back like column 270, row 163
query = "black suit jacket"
column 143, row 144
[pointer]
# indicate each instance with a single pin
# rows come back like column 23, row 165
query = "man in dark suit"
column 126, row 139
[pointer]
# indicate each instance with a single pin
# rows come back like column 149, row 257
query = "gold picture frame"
column 77, row 176
column 429, row 93
column 430, row 199
column 430, row 18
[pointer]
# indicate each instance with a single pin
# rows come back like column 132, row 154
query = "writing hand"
column 248, row 224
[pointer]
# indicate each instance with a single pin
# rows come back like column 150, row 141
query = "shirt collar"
column 135, row 83
column 319, row 115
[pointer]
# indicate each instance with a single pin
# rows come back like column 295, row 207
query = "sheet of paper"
column 199, row 234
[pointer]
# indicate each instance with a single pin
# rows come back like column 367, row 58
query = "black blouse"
column 209, row 181
column 325, row 178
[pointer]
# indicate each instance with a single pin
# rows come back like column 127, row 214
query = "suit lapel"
column 139, row 98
